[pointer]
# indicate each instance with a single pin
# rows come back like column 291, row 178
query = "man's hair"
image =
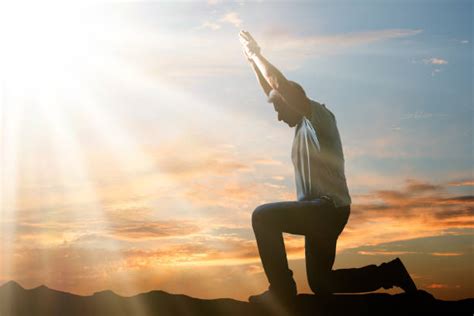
column 297, row 85
column 278, row 101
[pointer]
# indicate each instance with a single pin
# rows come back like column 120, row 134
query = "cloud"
column 462, row 183
column 201, row 250
column 381, row 218
column 211, row 25
column 216, row 177
column 314, row 45
column 242, row 197
column 197, row 53
column 447, row 254
column 435, row 61
column 205, row 163
column 274, row 186
column 437, row 286
column 268, row 162
column 145, row 230
column 190, row 156
column 384, row 253
column 232, row 18
column 418, row 209
column 278, row 178
column 418, row 115
column 417, row 187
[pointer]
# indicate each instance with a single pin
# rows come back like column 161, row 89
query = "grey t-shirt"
column 318, row 158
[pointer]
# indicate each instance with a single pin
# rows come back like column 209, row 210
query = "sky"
column 136, row 142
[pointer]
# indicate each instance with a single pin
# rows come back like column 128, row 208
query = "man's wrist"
column 255, row 55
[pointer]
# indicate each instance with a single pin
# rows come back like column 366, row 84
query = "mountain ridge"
column 18, row 301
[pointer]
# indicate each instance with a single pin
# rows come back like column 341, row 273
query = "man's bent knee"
column 258, row 215
column 319, row 282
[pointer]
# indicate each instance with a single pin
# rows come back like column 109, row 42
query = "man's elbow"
column 277, row 82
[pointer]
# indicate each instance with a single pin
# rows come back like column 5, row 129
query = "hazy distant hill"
column 15, row 300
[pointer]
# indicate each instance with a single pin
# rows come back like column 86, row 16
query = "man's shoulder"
column 318, row 110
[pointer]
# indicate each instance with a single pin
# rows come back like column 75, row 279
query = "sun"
column 45, row 42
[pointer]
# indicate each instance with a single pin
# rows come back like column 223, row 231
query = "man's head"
column 289, row 114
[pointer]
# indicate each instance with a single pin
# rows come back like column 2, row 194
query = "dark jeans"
column 321, row 224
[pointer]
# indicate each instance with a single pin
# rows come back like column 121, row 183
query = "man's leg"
column 269, row 221
column 320, row 254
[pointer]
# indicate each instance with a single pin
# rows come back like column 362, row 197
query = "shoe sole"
column 410, row 287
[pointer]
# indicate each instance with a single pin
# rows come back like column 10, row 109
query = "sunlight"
column 43, row 42
column 49, row 50
column 56, row 119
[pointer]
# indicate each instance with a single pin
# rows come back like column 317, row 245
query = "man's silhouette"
column 323, row 205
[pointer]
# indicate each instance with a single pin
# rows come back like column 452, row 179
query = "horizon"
column 136, row 142
column 26, row 302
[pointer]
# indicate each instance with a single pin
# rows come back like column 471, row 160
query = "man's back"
column 319, row 168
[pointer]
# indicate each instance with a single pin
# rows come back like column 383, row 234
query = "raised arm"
column 292, row 93
column 261, row 80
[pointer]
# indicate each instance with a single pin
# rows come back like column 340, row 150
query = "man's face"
column 287, row 114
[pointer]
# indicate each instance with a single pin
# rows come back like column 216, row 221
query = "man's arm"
column 261, row 79
column 293, row 95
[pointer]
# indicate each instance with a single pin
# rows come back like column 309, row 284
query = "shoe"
column 399, row 276
column 272, row 297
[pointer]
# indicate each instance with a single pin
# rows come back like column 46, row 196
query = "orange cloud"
column 270, row 162
column 461, row 183
column 143, row 230
column 384, row 253
column 447, row 254
column 419, row 209
column 435, row 61
column 437, row 286
column 76, row 252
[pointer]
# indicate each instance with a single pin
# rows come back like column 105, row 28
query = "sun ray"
column 67, row 80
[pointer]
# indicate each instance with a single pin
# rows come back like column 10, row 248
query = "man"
column 323, row 204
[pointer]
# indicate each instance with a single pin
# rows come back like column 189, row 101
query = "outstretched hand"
column 249, row 44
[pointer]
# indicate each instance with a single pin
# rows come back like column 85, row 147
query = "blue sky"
column 414, row 89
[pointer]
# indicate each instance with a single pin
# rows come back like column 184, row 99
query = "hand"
column 247, row 55
column 250, row 45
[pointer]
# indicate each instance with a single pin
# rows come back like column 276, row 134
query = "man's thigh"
column 296, row 217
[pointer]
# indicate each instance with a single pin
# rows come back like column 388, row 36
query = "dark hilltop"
column 16, row 301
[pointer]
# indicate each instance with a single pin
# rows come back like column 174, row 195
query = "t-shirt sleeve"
column 325, row 124
column 320, row 113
